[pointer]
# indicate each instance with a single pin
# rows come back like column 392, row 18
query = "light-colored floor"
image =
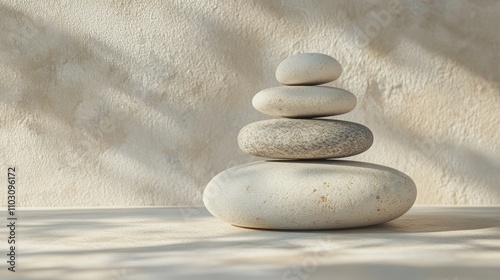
column 445, row 243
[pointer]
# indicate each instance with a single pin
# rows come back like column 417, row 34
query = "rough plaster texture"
column 140, row 102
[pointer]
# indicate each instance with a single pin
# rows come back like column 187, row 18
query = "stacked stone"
column 304, row 137
column 312, row 191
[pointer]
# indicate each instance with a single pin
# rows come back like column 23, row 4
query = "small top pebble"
column 308, row 69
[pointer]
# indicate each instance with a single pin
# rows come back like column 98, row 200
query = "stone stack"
column 301, row 188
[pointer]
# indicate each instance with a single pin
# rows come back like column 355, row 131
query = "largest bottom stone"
column 307, row 195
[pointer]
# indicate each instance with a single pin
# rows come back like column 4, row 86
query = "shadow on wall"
column 74, row 88
column 135, row 121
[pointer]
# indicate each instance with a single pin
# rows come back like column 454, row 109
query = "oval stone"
column 305, row 195
column 304, row 101
column 308, row 69
column 304, row 139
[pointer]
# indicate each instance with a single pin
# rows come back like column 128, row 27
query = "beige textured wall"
column 140, row 102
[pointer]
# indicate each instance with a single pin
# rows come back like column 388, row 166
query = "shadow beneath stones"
column 455, row 219
column 443, row 219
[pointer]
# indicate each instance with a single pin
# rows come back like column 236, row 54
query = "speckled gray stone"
column 304, row 139
column 305, row 195
column 308, row 69
column 304, row 101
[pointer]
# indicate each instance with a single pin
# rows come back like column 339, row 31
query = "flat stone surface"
column 308, row 69
column 307, row 195
column 188, row 243
column 304, row 139
column 304, row 101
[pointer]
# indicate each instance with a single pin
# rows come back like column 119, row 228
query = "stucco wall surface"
column 139, row 102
